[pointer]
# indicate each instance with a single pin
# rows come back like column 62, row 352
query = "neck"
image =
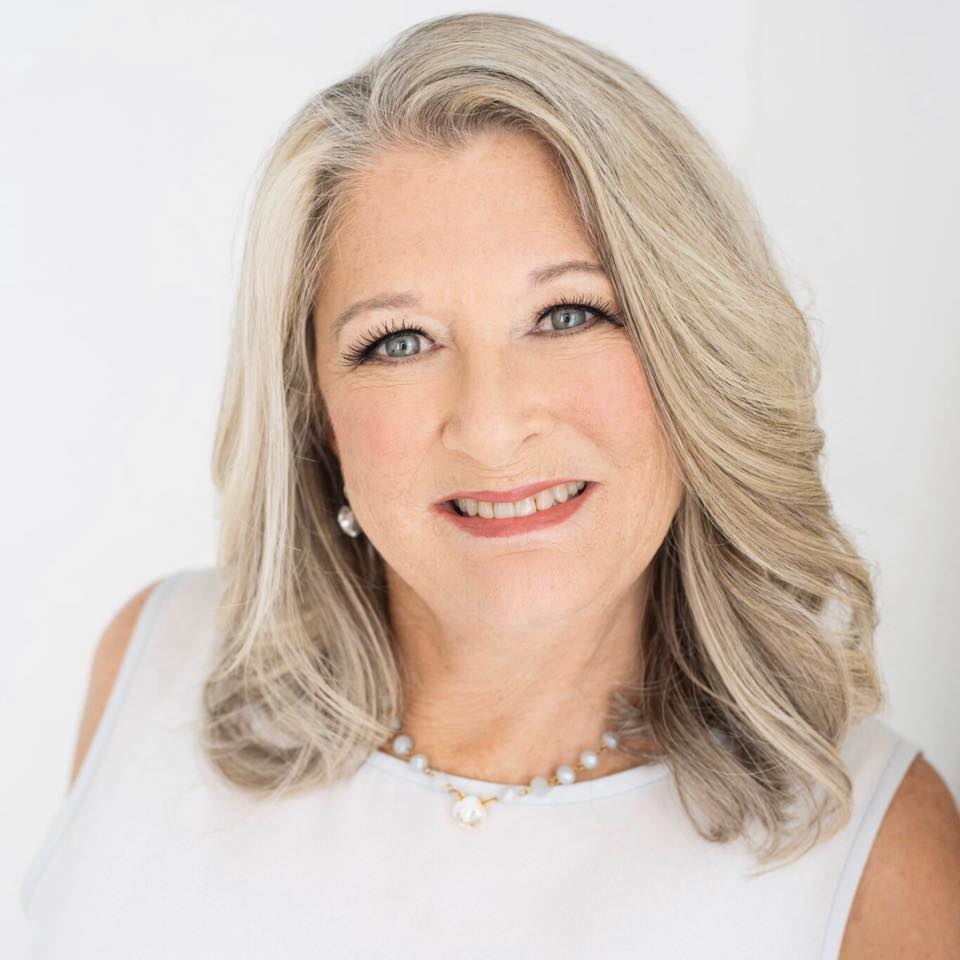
column 507, row 707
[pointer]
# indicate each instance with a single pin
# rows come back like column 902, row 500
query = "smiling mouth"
column 543, row 502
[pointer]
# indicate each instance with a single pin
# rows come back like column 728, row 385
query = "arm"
column 103, row 672
column 908, row 900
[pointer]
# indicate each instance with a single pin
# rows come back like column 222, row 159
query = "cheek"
column 618, row 415
column 379, row 436
column 614, row 405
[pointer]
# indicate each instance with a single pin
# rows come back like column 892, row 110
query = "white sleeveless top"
column 150, row 856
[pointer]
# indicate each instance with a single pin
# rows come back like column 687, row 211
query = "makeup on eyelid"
column 363, row 350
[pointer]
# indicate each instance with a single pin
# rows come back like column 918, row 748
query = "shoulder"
column 907, row 902
column 107, row 659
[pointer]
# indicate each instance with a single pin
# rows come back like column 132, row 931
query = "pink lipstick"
column 511, row 526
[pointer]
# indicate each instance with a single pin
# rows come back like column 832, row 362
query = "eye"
column 393, row 333
column 389, row 334
column 566, row 314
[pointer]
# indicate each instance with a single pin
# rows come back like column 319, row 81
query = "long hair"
column 760, row 616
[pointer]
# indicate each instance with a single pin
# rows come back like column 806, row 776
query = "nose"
column 497, row 405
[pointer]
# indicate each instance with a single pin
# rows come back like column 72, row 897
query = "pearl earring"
column 346, row 519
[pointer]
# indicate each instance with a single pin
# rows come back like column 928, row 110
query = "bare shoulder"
column 907, row 903
column 103, row 672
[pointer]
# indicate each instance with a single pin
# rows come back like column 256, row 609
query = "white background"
column 131, row 132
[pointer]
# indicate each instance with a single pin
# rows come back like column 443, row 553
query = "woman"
column 532, row 632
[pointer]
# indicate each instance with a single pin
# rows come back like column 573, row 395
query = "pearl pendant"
column 469, row 811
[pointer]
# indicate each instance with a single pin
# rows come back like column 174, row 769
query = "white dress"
column 150, row 856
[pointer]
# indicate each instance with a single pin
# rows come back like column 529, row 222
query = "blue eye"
column 395, row 332
column 568, row 310
column 403, row 338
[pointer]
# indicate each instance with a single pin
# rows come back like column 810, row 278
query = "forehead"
column 496, row 207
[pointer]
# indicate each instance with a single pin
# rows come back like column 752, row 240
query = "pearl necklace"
column 470, row 810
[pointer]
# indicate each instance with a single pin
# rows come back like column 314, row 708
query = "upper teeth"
column 543, row 500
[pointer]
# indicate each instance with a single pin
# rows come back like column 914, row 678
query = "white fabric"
column 150, row 856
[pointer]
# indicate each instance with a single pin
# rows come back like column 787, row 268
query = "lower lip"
column 511, row 526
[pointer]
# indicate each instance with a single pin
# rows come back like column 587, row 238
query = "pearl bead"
column 402, row 745
column 419, row 761
column 539, row 786
column 508, row 793
column 610, row 740
column 589, row 758
column 566, row 774
column 469, row 811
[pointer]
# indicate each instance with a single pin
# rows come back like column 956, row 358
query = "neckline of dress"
column 608, row 785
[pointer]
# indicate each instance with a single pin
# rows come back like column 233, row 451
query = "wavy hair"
column 761, row 615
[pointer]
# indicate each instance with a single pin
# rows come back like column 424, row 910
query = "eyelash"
column 363, row 351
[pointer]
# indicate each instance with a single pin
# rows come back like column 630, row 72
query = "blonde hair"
column 737, row 637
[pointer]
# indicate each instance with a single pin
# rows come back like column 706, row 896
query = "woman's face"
column 485, row 398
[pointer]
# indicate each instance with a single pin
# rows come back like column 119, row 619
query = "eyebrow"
column 395, row 301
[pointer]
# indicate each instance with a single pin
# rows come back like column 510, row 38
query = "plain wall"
column 131, row 135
